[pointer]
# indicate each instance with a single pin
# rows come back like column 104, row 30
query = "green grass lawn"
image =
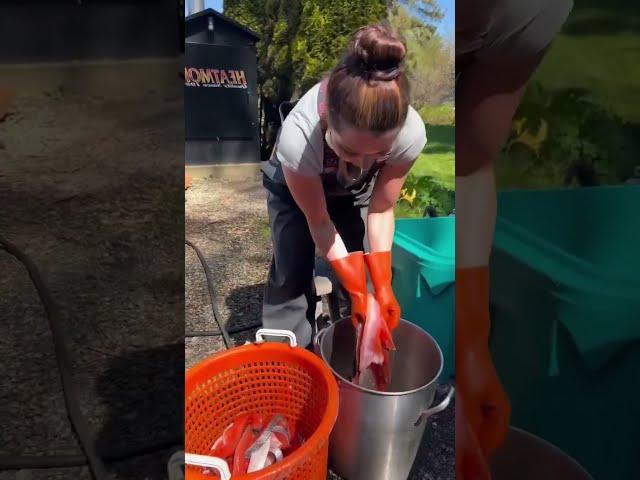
column 597, row 53
column 607, row 66
column 438, row 157
column 437, row 161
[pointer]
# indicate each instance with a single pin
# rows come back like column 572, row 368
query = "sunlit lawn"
column 437, row 161
column 607, row 66
column 438, row 157
column 598, row 53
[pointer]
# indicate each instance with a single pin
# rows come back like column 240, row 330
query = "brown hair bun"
column 378, row 52
column 368, row 89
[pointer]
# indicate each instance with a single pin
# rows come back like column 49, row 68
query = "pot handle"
column 272, row 332
column 316, row 342
column 175, row 466
column 436, row 409
column 214, row 463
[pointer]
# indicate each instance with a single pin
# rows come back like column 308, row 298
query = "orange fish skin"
column 373, row 346
column 226, row 444
column 251, row 433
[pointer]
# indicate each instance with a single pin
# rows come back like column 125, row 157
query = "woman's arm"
column 308, row 193
column 380, row 218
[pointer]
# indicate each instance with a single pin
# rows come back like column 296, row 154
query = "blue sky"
column 446, row 28
column 215, row 4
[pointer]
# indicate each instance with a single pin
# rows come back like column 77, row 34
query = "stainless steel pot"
column 377, row 434
column 527, row 457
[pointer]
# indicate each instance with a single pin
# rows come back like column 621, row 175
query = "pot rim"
column 377, row 392
column 550, row 447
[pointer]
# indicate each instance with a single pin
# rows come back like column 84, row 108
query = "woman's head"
column 368, row 94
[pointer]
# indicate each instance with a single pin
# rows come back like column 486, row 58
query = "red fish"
column 273, row 439
column 226, row 444
column 249, row 436
column 373, row 346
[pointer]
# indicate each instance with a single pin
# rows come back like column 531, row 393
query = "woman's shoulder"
column 304, row 116
column 306, row 107
column 414, row 128
column 299, row 145
column 411, row 139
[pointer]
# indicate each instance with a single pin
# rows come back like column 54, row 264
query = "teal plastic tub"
column 423, row 259
column 565, row 300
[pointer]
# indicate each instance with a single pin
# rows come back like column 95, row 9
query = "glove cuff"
column 351, row 272
column 472, row 304
column 379, row 265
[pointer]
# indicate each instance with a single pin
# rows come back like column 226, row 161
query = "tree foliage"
column 430, row 59
column 303, row 39
column 325, row 29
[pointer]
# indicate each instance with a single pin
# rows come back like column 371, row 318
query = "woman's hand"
column 352, row 275
column 381, row 223
column 471, row 464
column 379, row 264
column 487, row 406
column 308, row 193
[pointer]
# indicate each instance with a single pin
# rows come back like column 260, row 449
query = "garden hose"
column 60, row 338
column 217, row 333
column 90, row 455
column 212, row 296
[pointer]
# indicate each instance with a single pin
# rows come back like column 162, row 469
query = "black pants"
column 288, row 298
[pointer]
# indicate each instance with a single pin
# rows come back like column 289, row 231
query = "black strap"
column 322, row 104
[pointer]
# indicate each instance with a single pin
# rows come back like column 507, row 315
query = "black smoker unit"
column 220, row 91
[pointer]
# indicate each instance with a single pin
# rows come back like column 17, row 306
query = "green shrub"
column 561, row 137
column 421, row 192
column 443, row 114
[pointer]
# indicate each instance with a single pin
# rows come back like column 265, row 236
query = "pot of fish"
column 378, row 433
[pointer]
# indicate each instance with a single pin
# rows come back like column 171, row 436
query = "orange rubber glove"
column 471, row 463
column 379, row 264
column 486, row 405
column 353, row 277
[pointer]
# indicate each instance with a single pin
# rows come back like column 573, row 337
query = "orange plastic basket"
column 266, row 378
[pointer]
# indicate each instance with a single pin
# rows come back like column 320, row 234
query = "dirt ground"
column 228, row 222
column 88, row 189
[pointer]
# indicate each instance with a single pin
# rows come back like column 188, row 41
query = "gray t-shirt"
column 508, row 29
column 300, row 145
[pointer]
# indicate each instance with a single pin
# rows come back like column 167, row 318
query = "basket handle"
column 272, row 332
column 210, row 462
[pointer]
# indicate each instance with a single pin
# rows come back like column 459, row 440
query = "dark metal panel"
column 212, row 152
column 62, row 31
column 222, row 34
column 200, row 21
column 220, row 92
column 226, row 34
